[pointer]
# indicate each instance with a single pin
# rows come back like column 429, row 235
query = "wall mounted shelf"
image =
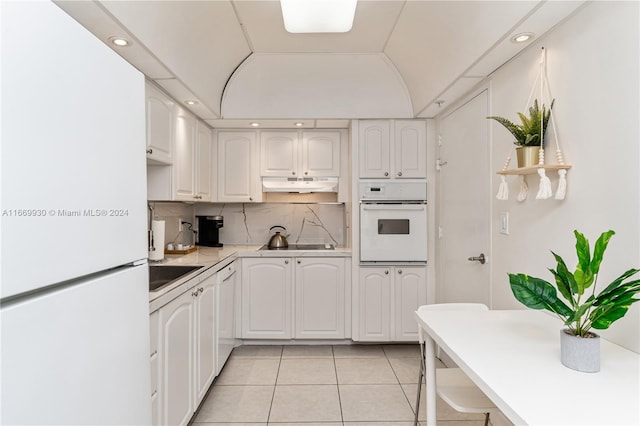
column 531, row 170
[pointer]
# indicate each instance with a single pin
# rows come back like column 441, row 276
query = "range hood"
column 300, row 185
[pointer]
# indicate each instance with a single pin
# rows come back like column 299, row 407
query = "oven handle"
column 402, row 207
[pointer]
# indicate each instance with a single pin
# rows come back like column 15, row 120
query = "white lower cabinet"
column 388, row 296
column 301, row 298
column 266, row 298
column 319, row 298
column 186, row 355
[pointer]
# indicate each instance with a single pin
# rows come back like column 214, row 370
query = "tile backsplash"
column 249, row 223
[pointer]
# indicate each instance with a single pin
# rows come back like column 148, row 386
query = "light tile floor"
column 342, row 385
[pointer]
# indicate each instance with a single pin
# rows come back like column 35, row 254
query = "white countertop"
column 209, row 257
column 514, row 357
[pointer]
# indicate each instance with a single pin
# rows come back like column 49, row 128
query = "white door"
column 410, row 148
column 204, row 180
column 410, row 291
column 374, row 140
column 235, row 166
column 464, row 200
column 160, row 121
column 374, row 304
column 319, row 303
column 279, row 153
column 320, row 154
column 177, row 328
column 266, row 298
column 185, row 145
column 205, row 368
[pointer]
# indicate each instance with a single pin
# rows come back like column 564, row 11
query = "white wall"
column 593, row 74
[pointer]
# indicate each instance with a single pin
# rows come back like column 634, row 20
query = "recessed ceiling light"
column 254, row 124
column 318, row 16
column 191, row 102
column 299, row 124
column 522, row 37
column 119, row 41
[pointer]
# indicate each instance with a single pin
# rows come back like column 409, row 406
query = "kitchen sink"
column 159, row 276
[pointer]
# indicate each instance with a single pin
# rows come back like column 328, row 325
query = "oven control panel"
column 393, row 190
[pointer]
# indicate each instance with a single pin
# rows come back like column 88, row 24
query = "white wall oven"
column 393, row 221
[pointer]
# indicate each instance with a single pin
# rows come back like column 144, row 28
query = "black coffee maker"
column 208, row 230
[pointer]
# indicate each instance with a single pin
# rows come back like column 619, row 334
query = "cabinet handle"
column 299, row 262
column 306, row 173
column 293, row 173
column 200, row 289
column 399, row 173
column 286, row 262
column 386, row 173
column 250, row 198
column 150, row 151
column 195, row 293
column 386, row 272
column 400, row 271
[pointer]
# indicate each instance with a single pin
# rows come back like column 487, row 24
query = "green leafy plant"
column 533, row 128
column 586, row 310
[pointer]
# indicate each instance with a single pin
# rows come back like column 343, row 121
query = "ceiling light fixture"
column 119, row 41
column 318, row 16
column 254, row 124
column 191, row 102
column 299, row 124
column 522, row 37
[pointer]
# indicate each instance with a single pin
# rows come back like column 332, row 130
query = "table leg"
column 430, row 378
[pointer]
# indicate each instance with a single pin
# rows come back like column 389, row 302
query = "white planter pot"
column 580, row 353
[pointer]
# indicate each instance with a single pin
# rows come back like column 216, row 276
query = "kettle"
column 278, row 240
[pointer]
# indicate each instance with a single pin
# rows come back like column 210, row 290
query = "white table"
column 514, row 357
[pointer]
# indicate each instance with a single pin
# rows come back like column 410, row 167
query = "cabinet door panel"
column 205, row 355
column 184, row 167
column 266, row 298
column 177, row 327
column 410, row 292
column 410, row 149
column 160, row 118
column 235, row 162
column 320, row 154
column 374, row 304
column 279, row 153
column 374, row 137
column 320, row 295
column 203, row 164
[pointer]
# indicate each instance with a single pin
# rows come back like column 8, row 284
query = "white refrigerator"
column 74, row 324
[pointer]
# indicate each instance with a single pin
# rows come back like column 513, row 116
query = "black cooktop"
column 301, row 247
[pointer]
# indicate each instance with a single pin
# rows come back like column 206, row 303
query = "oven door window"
column 393, row 226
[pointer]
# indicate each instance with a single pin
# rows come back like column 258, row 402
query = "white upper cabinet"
column 237, row 179
column 192, row 163
column 204, row 163
column 160, row 122
column 279, row 153
column 300, row 154
column 320, row 154
column 392, row 149
column 184, row 164
column 374, row 141
column 410, row 149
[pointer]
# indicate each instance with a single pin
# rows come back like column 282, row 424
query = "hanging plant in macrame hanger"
column 530, row 137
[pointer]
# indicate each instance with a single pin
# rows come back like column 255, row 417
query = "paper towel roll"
column 157, row 228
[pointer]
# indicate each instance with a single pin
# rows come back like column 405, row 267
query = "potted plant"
column 529, row 135
column 586, row 309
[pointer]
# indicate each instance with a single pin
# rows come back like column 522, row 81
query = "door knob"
column 480, row 259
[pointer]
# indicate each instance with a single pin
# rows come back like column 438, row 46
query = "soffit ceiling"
column 440, row 49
